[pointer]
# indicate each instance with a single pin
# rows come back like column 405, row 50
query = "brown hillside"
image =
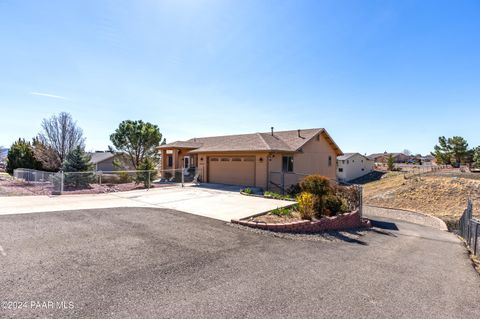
column 441, row 196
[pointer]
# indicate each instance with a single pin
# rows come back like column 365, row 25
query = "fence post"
column 61, row 182
column 283, row 183
column 475, row 240
column 183, row 176
column 148, row 180
column 100, row 178
column 360, row 209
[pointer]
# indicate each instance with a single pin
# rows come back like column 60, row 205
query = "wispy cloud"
column 53, row 96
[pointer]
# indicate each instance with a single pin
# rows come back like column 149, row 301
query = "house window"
column 169, row 161
column 329, row 161
column 340, row 169
column 363, row 169
column 362, row 161
column 348, row 162
column 287, row 163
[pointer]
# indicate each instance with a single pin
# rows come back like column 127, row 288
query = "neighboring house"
column 104, row 161
column 266, row 160
column 353, row 165
column 383, row 157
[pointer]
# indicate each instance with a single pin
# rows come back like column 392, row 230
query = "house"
column 104, row 161
column 383, row 157
column 266, row 160
column 353, row 165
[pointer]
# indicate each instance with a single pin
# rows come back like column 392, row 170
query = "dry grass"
column 441, row 196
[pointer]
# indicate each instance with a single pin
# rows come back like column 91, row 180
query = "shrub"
column 246, row 190
column 306, row 205
column 149, row 172
column 124, row 177
column 282, row 211
column 294, row 190
column 334, row 204
column 276, row 195
column 319, row 186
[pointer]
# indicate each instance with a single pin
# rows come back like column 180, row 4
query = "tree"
column 46, row 155
column 137, row 139
column 21, row 155
column 476, row 157
column 407, row 152
column 149, row 173
column 60, row 134
column 453, row 150
column 77, row 168
column 390, row 162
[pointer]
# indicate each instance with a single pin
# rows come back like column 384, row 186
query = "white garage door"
column 232, row 170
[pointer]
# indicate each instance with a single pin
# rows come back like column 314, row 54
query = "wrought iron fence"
column 469, row 229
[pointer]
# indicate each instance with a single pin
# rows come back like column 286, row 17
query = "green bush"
column 334, row 205
column 276, row 195
column 246, row 190
column 316, row 184
column 282, row 211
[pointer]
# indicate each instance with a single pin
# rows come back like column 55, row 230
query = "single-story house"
column 383, row 157
column 104, row 161
column 266, row 160
column 353, row 165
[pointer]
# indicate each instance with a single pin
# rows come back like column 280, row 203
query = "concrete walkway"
column 223, row 204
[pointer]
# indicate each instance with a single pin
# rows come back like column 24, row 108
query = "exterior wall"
column 354, row 167
column 312, row 160
column 260, row 166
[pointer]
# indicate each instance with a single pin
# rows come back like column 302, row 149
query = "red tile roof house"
column 266, row 160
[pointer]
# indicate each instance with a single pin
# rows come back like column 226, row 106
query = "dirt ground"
column 441, row 196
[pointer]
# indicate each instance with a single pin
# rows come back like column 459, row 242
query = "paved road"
column 211, row 200
column 158, row 263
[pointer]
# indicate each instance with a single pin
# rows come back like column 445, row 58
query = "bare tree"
column 407, row 152
column 60, row 134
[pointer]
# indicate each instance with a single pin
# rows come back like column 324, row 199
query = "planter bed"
column 295, row 225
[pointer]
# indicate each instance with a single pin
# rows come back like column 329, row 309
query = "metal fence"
column 92, row 182
column 469, row 229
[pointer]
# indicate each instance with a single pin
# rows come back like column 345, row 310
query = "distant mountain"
column 3, row 152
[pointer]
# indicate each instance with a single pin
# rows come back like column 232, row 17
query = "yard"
column 443, row 195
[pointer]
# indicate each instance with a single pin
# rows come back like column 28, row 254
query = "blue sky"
column 378, row 75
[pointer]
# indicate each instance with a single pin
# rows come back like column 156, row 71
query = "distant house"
column 353, row 165
column 104, row 161
column 383, row 157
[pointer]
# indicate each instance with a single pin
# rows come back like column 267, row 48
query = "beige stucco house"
column 352, row 166
column 266, row 160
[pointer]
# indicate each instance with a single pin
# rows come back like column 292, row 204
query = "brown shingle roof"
column 282, row 141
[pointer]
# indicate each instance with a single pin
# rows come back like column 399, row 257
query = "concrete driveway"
column 160, row 263
column 215, row 201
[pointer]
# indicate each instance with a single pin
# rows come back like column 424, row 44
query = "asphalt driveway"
column 160, row 263
column 215, row 201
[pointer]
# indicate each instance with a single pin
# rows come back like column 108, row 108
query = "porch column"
column 163, row 164
column 175, row 159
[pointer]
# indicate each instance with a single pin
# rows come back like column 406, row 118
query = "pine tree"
column 21, row 155
column 390, row 163
column 77, row 169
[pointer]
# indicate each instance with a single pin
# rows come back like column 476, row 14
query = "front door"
column 186, row 162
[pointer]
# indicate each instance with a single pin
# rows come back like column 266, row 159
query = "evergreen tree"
column 476, row 157
column 390, row 162
column 77, row 169
column 21, row 155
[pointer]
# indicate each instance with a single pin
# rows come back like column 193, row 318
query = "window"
column 287, row 163
column 340, row 169
column 169, row 161
column 363, row 169
column 362, row 161
column 329, row 161
column 348, row 162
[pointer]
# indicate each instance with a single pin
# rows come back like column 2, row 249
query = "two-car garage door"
column 232, row 170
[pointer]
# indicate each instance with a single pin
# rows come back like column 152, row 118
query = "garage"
column 232, row 170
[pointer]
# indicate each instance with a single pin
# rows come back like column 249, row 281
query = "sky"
column 378, row 75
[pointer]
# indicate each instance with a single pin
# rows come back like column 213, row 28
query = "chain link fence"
column 97, row 182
